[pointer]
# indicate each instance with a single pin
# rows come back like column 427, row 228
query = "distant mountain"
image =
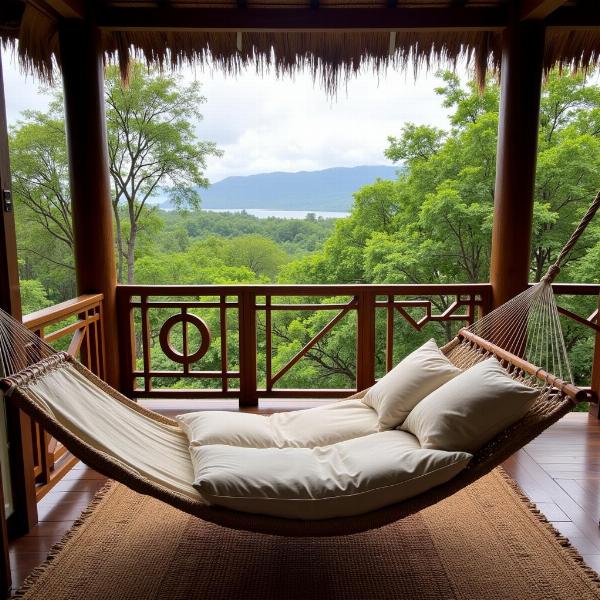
column 327, row 190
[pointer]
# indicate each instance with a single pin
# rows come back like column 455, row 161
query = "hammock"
column 73, row 405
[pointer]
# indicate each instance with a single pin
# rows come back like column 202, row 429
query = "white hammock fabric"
column 156, row 451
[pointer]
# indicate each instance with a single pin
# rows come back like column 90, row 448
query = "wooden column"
column 83, row 82
column 521, row 81
column 18, row 425
column 24, row 514
column 595, row 385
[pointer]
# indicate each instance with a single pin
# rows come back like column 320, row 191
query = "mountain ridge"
column 323, row 190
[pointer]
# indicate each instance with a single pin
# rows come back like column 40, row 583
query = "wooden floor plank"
column 588, row 500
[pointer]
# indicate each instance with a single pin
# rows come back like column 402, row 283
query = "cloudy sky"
column 265, row 124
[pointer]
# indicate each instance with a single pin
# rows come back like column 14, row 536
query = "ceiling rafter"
column 66, row 9
column 180, row 18
column 538, row 9
column 577, row 18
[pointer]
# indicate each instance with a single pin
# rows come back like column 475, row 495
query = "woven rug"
column 486, row 542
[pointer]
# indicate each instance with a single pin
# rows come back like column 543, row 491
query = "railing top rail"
column 576, row 289
column 408, row 289
column 58, row 312
column 304, row 289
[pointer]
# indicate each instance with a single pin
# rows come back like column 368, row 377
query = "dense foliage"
column 430, row 225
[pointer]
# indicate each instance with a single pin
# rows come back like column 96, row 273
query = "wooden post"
column 365, row 340
column 247, row 333
column 595, row 407
column 18, row 425
column 521, row 82
column 83, row 82
column 127, row 341
column 19, row 438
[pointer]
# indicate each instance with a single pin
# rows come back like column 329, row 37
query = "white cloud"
column 264, row 124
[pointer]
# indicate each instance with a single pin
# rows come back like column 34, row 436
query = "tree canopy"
column 152, row 147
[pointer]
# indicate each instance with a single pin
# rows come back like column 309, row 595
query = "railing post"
column 365, row 339
column 487, row 303
column 596, row 367
column 127, row 343
column 247, row 343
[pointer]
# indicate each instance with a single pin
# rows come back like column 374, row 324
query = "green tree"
column 433, row 224
column 43, row 206
column 33, row 296
column 152, row 146
column 40, row 172
column 260, row 255
column 153, row 149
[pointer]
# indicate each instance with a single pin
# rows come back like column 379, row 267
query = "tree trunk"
column 119, row 243
column 131, row 253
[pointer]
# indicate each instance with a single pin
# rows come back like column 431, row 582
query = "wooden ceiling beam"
column 538, row 9
column 584, row 17
column 477, row 18
column 66, row 9
column 11, row 13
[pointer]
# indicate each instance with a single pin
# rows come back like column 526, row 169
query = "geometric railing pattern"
column 202, row 341
column 76, row 327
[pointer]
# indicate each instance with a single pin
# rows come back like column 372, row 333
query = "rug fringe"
column 569, row 549
column 34, row 576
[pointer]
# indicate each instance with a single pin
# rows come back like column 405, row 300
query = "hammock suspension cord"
column 528, row 325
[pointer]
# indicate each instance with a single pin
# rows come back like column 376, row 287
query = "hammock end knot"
column 551, row 274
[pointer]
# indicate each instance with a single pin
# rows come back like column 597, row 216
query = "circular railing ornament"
column 184, row 358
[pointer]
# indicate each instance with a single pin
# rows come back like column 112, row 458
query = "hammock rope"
column 20, row 348
column 528, row 325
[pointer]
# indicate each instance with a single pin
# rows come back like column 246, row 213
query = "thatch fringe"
column 332, row 57
column 577, row 50
column 38, row 43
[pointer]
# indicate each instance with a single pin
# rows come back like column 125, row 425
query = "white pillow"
column 470, row 410
column 344, row 479
column 307, row 428
column 398, row 392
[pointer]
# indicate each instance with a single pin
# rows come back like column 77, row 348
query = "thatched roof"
column 332, row 38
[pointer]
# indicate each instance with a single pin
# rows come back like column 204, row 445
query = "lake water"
column 263, row 213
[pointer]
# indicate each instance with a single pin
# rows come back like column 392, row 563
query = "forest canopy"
column 431, row 224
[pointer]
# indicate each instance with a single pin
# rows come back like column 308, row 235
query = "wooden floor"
column 560, row 472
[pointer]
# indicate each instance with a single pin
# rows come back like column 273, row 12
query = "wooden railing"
column 236, row 345
column 588, row 322
column 242, row 323
column 76, row 327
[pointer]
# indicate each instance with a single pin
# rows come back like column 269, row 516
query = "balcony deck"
column 560, row 472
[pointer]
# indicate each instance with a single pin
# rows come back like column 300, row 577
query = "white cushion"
column 307, row 428
column 470, row 410
column 343, row 479
column 398, row 392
